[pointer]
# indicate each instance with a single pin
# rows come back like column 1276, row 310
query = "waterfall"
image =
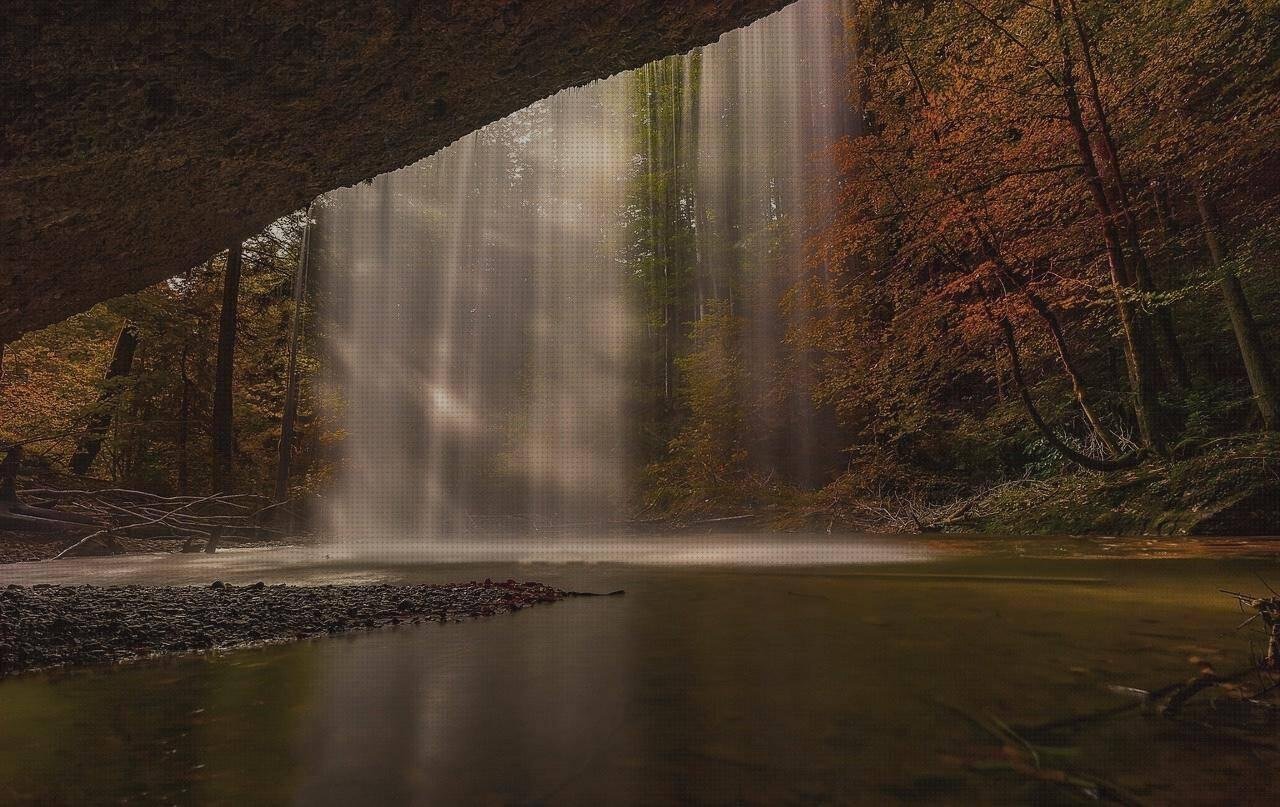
column 488, row 310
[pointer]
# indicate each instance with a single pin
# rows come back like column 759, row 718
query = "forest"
column 1046, row 287
column 1033, row 288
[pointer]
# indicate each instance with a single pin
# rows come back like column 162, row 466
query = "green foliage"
column 1213, row 411
column 662, row 251
column 705, row 468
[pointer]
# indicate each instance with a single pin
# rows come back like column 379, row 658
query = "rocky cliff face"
column 140, row 137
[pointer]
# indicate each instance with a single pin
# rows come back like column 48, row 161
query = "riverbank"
column 1229, row 492
column 1224, row 490
column 1232, row 491
column 52, row 626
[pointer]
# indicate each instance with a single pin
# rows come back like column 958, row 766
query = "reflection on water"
column 662, row 550
column 713, row 685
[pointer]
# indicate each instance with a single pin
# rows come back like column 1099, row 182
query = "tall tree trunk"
column 672, row 265
column 1142, row 270
column 290, row 412
column 1169, row 228
column 223, row 421
column 1262, row 378
column 1073, row 374
column 1139, row 348
column 9, row 476
column 184, row 427
column 707, row 288
column 132, row 441
column 656, row 289
column 1012, row 275
column 90, row 442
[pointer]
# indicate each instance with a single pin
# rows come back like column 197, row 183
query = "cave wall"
column 140, row 137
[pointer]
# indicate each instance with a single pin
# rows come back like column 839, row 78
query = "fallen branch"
column 1268, row 609
column 109, row 531
column 1023, row 757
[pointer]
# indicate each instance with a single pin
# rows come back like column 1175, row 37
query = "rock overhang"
column 140, row 137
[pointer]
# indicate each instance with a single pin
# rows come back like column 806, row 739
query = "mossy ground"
column 1228, row 489
column 1222, row 487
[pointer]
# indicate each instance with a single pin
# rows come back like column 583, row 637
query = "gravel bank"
column 49, row 626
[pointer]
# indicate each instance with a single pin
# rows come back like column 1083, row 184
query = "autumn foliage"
column 1020, row 265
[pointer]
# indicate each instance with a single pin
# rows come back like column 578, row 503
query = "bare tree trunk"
column 1142, row 270
column 657, row 289
column 705, row 283
column 9, row 475
column 223, row 421
column 290, row 412
column 1041, row 307
column 1015, row 366
column 1068, row 366
column 999, row 374
column 132, row 441
column 1139, row 348
column 90, row 443
column 670, row 249
column 1261, row 374
column 1169, row 228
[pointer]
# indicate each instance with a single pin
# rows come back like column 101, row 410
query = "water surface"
column 847, row 682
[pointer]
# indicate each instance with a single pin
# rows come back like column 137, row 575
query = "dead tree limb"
column 110, row 530
column 1119, row 463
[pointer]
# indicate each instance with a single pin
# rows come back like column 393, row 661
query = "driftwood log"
column 92, row 521
column 1266, row 609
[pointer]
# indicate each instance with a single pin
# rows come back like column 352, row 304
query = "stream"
column 845, row 677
